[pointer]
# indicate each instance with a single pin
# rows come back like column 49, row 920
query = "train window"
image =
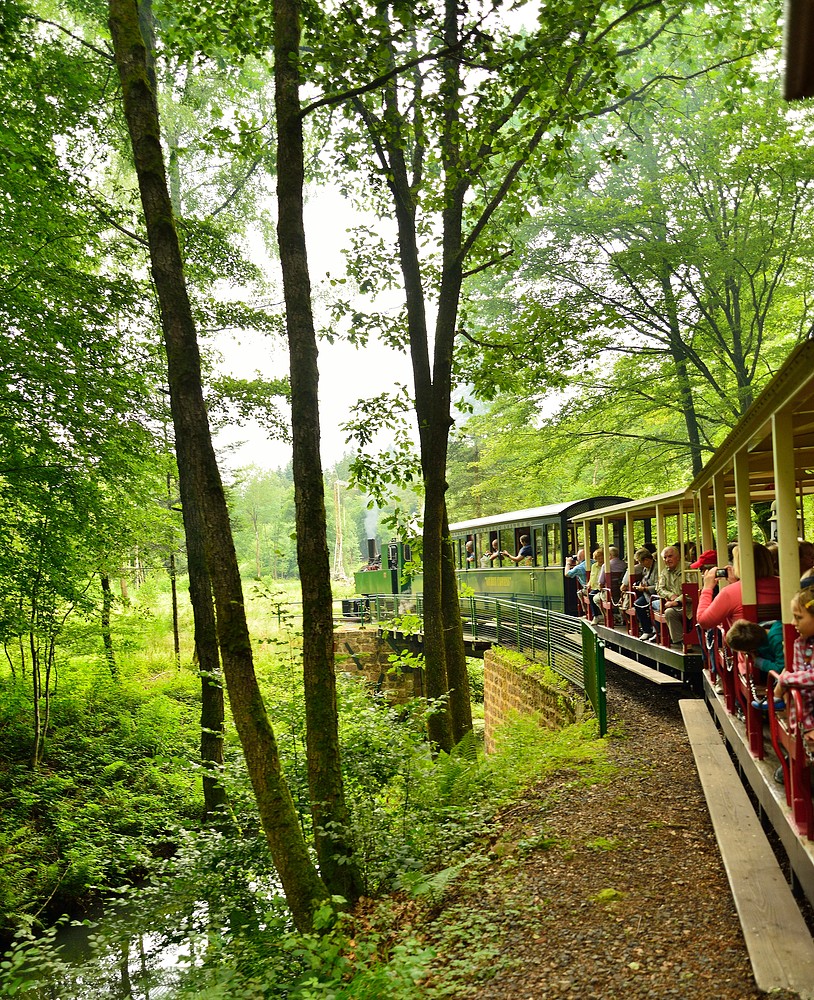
column 539, row 550
column 481, row 546
column 553, row 545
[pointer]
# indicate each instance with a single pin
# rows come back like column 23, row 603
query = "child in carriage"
column 765, row 643
column 801, row 674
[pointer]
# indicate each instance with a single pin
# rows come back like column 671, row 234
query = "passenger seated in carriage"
column 488, row 558
column 632, row 576
column 670, row 598
column 592, row 585
column 644, row 589
column 765, row 644
column 615, row 569
column 725, row 607
column 806, row 550
column 576, row 569
column 801, row 673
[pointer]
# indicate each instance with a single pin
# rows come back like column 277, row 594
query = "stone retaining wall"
column 512, row 683
column 361, row 653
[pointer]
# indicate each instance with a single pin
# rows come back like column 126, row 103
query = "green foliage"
column 648, row 305
column 430, row 887
column 114, row 778
column 474, row 668
column 117, row 802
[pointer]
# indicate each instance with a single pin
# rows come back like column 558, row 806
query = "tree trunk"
column 433, row 622
column 199, row 477
column 328, row 808
column 36, row 695
column 678, row 354
column 200, row 588
column 460, row 704
column 258, row 569
column 206, row 649
column 176, row 636
column 107, row 638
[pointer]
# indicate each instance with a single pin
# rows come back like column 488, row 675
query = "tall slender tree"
column 199, row 476
column 330, row 813
column 449, row 110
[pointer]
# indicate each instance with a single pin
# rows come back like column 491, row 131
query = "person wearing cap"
column 705, row 560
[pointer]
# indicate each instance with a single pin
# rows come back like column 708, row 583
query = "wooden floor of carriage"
column 777, row 937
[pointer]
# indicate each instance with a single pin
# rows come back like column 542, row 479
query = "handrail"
column 566, row 644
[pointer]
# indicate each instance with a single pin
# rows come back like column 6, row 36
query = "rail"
column 567, row 644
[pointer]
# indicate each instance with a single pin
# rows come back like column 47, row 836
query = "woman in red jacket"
column 727, row 606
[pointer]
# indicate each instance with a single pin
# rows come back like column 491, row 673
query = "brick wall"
column 361, row 653
column 512, row 683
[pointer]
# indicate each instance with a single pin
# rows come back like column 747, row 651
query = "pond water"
column 91, row 961
column 137, row 952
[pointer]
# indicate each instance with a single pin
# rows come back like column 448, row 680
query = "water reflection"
column 124, row 955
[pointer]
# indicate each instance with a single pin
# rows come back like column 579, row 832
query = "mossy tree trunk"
column 107, row 638
column 199, row 476
column 206, row 649
column 328, row 807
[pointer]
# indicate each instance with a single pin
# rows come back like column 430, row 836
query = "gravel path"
column 611, row 891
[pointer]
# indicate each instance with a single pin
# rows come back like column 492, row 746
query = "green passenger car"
column 535, row 577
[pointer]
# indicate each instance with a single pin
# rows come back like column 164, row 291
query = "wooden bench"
column 779, row 944
column 628, row 663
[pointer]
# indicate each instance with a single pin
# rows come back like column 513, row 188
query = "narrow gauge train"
column 766, row 464
column 538, row 579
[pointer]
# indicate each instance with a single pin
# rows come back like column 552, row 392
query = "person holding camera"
column 727, row 606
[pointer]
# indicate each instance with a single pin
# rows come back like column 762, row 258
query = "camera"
column 721, row 573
